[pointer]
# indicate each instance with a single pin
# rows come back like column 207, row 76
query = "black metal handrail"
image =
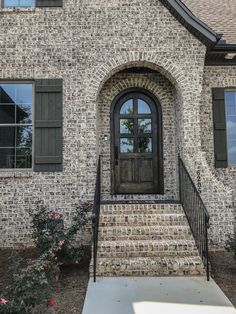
column 196, row 212
column 96, row 215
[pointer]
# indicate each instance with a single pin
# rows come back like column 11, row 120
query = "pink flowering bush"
column 30, row 289
column 50, row 233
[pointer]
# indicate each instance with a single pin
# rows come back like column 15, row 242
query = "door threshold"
column 111, row 202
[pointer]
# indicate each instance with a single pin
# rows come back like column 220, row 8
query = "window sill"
column 232, row 169
column 13, row 10
column 5, row 174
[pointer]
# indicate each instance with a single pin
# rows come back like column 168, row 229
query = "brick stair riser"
column 148, row 273
column 143, row 220
column 122, row 268
column 144, row 233
column 131, row 209
column 163, row 253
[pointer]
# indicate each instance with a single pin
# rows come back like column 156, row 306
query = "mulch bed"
column 224, row 273
column 70, row 290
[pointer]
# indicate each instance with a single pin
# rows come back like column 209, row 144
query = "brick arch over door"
column 188, row 121
column 161, row 88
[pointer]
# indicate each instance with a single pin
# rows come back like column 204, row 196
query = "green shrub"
column 231, row 244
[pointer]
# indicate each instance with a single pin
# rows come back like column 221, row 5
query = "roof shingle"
column 220, row 15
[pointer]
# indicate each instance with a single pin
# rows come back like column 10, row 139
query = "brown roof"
column 220, row 15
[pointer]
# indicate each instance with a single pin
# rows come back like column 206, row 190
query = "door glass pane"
column 7, row 136
column 7, row 113
column 145, row 145
column 127, row 107
column 143, row 107
column 145, row 125
column 7, row 158
column 126, row 145
column 126, row 126
column 24, row 137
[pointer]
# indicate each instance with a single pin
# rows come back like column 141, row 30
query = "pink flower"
column 51, row 303
column 53, row 213
column 61, row 242
column 4, row 301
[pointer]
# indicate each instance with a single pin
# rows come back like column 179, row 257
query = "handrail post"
column 95, row 216
column 207, row 253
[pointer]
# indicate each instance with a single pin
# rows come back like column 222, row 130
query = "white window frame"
column 22, row 124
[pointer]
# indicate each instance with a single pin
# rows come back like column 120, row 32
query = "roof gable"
column 195, row 26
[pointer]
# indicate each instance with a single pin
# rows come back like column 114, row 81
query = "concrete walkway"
column 167, row 295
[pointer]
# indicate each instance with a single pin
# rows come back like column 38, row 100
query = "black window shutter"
column 220, row 135
column 49, row 3
column 48, row 125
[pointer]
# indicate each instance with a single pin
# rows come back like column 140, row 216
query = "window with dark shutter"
column 48, row 125
column 220, row 135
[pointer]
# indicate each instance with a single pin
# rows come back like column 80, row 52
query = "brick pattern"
column 87, row 43
column 150, row 240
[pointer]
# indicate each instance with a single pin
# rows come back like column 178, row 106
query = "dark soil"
column 70, row 290
column 224, row 273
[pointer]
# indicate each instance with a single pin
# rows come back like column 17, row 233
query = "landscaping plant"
column 231, row 244
column 30, row 288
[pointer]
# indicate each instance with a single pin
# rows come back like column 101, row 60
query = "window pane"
column 126, row 126
column 231, row 127
column 230, row 103
column 127, row 107
column 232, row 152
column 19, row 3
column 7, row 93
column 143, row 107
column 23, row 158
column 24, row 137
column 144, row 125
column 126, row 145
column 24, row 113
column 7, row 113
column 145, row 145
column 7, row 158
column 7, row 136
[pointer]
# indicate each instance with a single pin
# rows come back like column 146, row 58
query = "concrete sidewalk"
column 167, row 295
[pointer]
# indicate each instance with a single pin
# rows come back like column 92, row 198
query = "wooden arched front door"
column 136, row 143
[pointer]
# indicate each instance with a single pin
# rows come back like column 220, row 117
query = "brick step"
column 146, row 248
column 141, row 208
column 142, row 220
column 146, row 266
column 145, row 233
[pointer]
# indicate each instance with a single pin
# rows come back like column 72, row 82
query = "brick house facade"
column 98, row 49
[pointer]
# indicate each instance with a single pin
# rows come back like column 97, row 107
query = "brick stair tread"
column 143, row 219
column 144, row 232
column 137, row 208
column 126, row 248
column 158, row 266
column 190, row 260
